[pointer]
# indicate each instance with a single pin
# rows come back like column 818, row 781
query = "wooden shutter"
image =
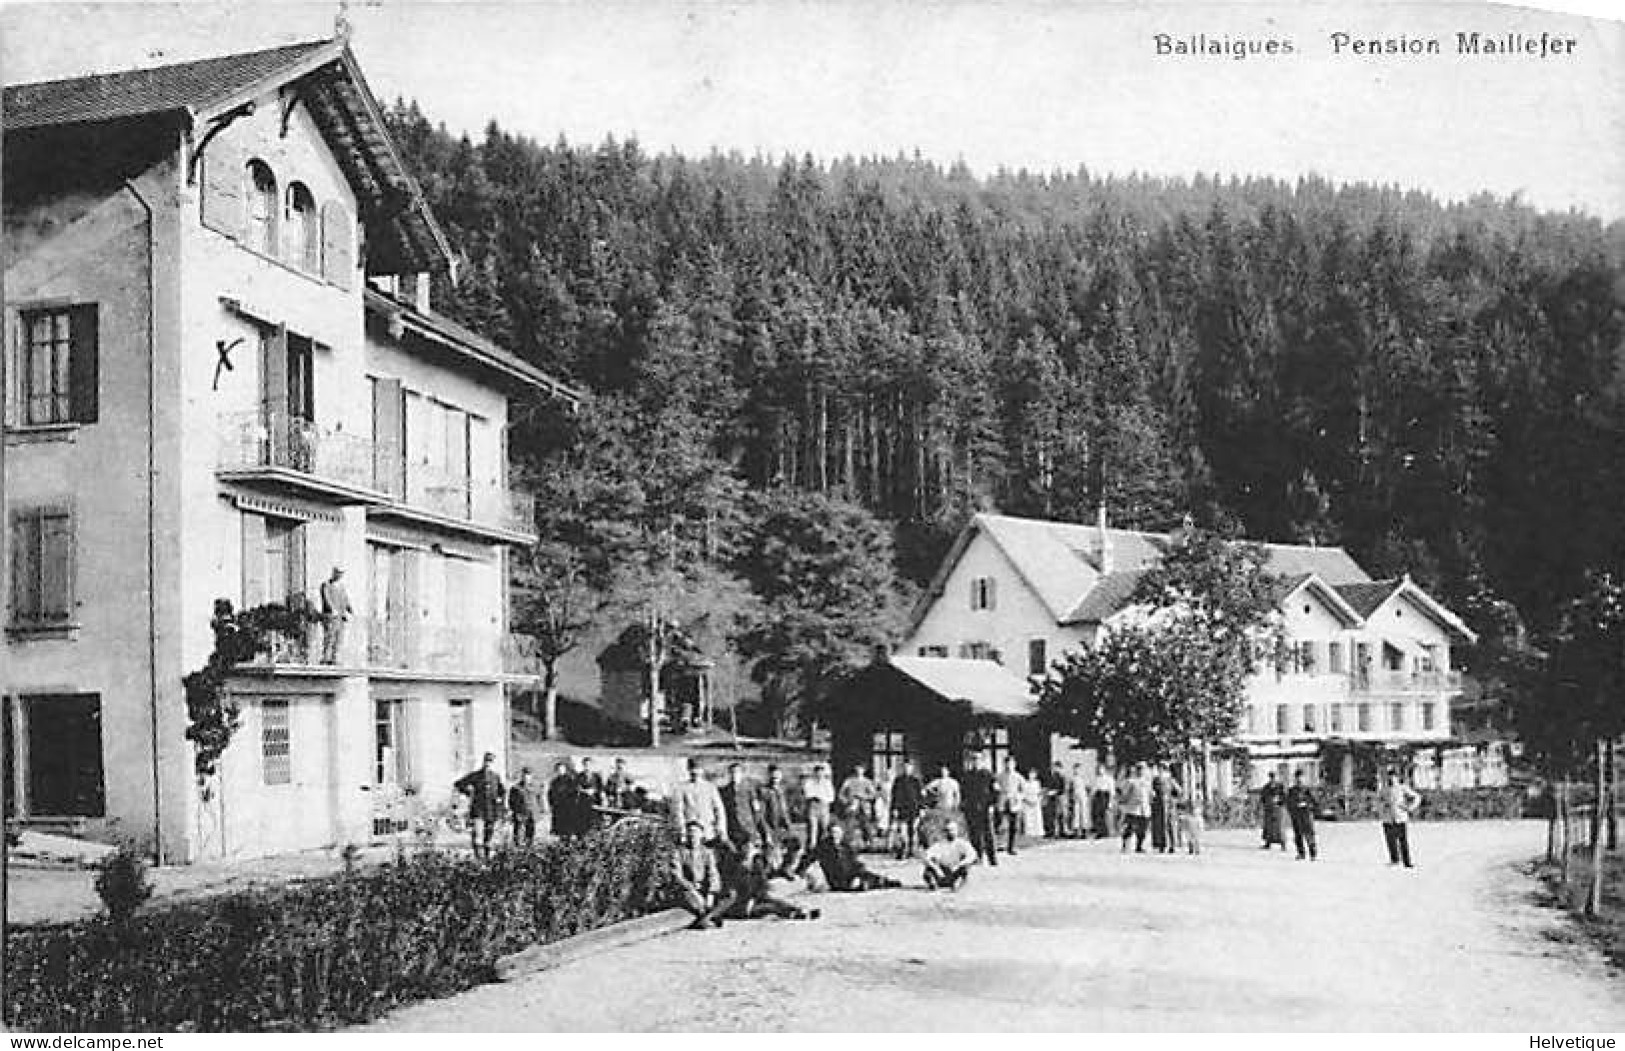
column 253, row 561
column 274, row 393
column 24, row 566
column 338, row 245
column 389, row 436
column 56, row 564
column 223, row 185
column 297, row 574
column 83, row 365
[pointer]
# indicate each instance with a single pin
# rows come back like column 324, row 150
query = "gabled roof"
column 465, row 343
column 1061, row 562
column 1366, row 596
column 987, row 686
column 1331, row 596
column 1369, row 599
column 403, row 235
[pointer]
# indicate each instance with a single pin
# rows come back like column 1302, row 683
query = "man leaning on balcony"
column 335, row 611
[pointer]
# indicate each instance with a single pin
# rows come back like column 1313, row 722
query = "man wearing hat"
column 484, row 790
column 697, row 800
column 335, row 611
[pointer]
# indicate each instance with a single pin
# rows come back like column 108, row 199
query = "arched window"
column 262, row 207
column 304, row 230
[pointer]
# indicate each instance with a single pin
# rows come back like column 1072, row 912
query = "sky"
column 994, row 83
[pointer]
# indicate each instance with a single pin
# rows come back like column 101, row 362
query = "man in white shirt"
column 696, row 801
column 948, row 860
column 1397, row 801
column 943, row 793
column 818, row 791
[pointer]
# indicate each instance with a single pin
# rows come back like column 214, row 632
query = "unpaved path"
column 1076, row 936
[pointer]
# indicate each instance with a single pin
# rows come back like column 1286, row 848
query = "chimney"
column 1105, row 540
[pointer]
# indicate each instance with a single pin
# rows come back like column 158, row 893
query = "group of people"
column 1396, row 803
column 573, row 802
column 1151, row 801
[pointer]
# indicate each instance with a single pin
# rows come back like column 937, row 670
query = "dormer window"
column 262, row 208
column 304, row 229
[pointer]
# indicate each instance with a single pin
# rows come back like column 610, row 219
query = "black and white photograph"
column 802, row 516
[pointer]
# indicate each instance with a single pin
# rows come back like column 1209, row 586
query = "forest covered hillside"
column 1440, row 388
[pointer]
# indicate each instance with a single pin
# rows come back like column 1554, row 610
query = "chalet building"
column 225, row 382
column 1366, row 676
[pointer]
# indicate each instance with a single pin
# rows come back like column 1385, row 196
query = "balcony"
column 399, row 649
column 297, row 653
column 484, row 509
column 1404, row 682
column 283, row 453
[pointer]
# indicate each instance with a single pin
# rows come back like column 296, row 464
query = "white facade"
column 1016, row 590
column 263, row 417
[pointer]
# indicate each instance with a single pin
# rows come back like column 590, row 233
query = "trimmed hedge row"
column 332, row 951
column 1449, row 804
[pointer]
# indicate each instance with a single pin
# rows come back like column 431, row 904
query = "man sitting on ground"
column 841, row 867
column 699, row 881
column 753, row 897
column 948, row 860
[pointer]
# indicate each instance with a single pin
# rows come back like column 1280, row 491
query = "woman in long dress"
column 1272, row 803
column 1032, row 805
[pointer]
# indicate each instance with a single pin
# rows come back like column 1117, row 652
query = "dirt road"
column 1076, row 936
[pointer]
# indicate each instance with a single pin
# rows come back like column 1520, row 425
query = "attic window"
column 262, row 207
column 981, row 593
column 304, row 232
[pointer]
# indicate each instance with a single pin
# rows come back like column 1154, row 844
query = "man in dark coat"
column 1300, row 808
column 774, row 807
column 589, row 795
column 977, row 796
column 907, row 797
column 1271, row 801
column 842, row 869
column 485, row 793
column 743, row 808
column 562, row 801
column 620, row 790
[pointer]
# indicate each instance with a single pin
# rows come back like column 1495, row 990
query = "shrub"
column 1448, row 804
column 122, row 883
column 332, row 951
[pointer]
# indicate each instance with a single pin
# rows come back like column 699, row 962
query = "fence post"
column 1594, row 898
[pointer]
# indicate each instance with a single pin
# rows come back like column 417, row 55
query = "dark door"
column 65, row 756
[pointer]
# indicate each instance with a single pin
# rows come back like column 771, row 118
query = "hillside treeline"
column 1440, row 388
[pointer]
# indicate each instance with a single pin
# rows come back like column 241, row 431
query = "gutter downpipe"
column 152, row 516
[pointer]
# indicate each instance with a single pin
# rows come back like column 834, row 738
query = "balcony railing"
column 1404, row 682
column 398, row 645
column 272, row 440
column 466, row 499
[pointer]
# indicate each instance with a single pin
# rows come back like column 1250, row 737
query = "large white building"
column 225, row 381
column 1368, row 662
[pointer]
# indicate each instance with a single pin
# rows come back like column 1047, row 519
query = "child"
column 1190, row 822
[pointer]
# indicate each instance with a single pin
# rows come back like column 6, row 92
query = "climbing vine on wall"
column 239, row 637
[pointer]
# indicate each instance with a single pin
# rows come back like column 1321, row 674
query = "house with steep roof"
column 226, row 383
column 1367, row 669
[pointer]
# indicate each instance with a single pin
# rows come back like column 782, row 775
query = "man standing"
column 1011, row 788
column 1055, row 801
column 1075, row 822
column 335, row 611
column 774, row 808
column 1272, row 802
column 858, row 794
column 742, row 808
column 561, row 800
column 620, row 791
column 485, row 794
column 948, row 860
column 696, row 801
column 943, row 793
column 1100, row 802
column 1300, row 809
column 589, row 794
column 818, row 791
column 699, row 881
column 1397, row 802
column 979, row 796
column 522, row 809
column 1135, row 806
column 907, row 796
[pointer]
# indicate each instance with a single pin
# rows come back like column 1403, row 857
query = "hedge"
column 332, row 951
column 1449, row 804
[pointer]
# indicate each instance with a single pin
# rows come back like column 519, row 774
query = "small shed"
column 685, row 682
column 934, row 711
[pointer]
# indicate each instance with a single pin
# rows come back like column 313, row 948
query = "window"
column 1309, row 719
column 61, row 755
column 1306, row 658
column 1334, row 657
column 1429, row 715
column 462, row 735
column 262, row 207
column 276, row 743
column 389, row 752
column 1283, row 719
column 1396, row 716
column 991, row 741
column 42, row 567
column 981, row 593
column 304, row 229
column 274, row 562
column 1255, row 720
column 1337, row 717
column 56, row 367
column 1037, row 657
column 976, row 651
column 1363, row 713
column 890, row 751
column 933, row 651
